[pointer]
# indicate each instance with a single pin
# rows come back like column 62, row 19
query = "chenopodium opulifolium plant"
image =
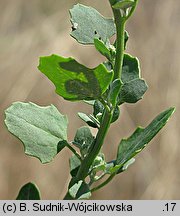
column 43, row 130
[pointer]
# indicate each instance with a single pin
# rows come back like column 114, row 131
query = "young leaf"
column 74, row 163
column 123, row 4
column 29, row 192
column 39, row 128
column 99, row 164
column 88, row 24
column 99, row 109
column 131, row 68
column 102, row 48
column 132, row 91
column 128, row 148
column 83, row 139
column 80, row 190
column 88, row 120
column 74, row 81
column 133, row 87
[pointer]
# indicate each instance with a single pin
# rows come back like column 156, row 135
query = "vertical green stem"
column 108, row 113
column 87, row 162
column 120, row 28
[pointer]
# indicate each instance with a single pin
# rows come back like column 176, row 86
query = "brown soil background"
column 29, row 29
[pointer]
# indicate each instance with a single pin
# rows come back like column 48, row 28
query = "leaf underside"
column 41, row 129
column 88, row 23
column 74, row 81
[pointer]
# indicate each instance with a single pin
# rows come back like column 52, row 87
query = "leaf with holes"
column 41, row 129
column 74, row 81
column 88, row 23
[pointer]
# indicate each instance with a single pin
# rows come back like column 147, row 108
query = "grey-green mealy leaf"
column 132, row 91
column 83, row 139
column 74, row 81
column 131, row 68
column 129, row 147
column 41, row 129
column 88, row 23
column 133, row 87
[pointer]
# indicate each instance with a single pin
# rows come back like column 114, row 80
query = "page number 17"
column 169, row 207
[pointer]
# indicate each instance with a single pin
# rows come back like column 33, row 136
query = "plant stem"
column 74, row 151
column 120, row 22
column 108, row 113
column 87, row 162
column 104, row 183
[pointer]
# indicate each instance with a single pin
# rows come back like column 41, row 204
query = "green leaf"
column 88, row 24
column 74, row 165
column 102, row 48
column 116, row 114
column 133, row 87
column 132, row 91
column 41, row 129
column 80, row 190
column 126, row 38
column 99, row 163
column 123, row 4
column 114, row 91
column 131, row 68
column 113, row 167
column 83, row 139
column 88, row 120
column 29, row 192
column 126, row 165
column 74, row 81
column 128, row 148
column 99, row 109
column 89, row 102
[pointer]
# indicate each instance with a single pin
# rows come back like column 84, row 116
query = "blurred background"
column 29, row 29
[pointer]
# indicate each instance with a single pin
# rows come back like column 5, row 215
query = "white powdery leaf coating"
column 39, row 128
